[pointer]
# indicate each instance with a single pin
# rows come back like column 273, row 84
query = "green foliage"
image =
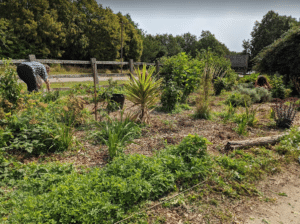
column 184, row 71
column 208, row 40
column 116, row 134
column 280, row 56
column 50, row 96
column 237, row 99
column 264, row 94
column 143, row 92
column 229, row 113
column 60, row 194
column 249, row 78
column 10, row 89
column 244, row 119
column 248, row 95
column 266, row 33
column 289, row 144
column 257, row 95
column 278, row 89
column 170, row 96
column 34, row 129
column 66, row 29
column 219, row 85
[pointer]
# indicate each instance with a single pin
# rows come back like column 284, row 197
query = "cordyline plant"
column 285, row 111
column 143, row 92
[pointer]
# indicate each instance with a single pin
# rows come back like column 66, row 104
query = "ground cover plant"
column 59, row 170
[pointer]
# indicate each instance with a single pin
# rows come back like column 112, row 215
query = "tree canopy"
column 160, row 45
column 66, row 29
column 266, row 32
column 282, row 56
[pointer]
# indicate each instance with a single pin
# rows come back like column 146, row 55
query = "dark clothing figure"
column 28, row 72
column 262, row 82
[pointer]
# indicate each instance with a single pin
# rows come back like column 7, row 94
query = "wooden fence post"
column 157, row 66
column 94, row 67
column 131, row 69
column 32, row 57
column 96, row 81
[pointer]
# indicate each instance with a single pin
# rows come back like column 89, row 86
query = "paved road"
column 52, row 80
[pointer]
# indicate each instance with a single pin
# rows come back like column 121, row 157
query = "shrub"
column 249, row 78
column 50, row 96
column 219, row 85
column 249, row 92
column 285, row 114
column 184, row 71
column 264, row 94
column 143, row 92
column 237, row 99
column 278, row 89
column 116, row 134
column 171, row 96
column 74, row 112
column 10, row 89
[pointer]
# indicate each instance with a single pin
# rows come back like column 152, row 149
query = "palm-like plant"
column 145, row 92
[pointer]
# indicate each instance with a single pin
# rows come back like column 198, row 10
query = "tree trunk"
column 254, row 142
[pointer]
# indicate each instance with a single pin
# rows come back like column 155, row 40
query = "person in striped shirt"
column 31, row 72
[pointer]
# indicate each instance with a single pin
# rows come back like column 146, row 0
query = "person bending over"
column 31, row 72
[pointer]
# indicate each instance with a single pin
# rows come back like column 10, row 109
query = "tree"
column 151, row 48
column 282, row 56
column 188, row 43
column 65, row 29
column 35, row 26
column 266, row 32
column 208, row 40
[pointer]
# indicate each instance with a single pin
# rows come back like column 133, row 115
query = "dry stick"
column 161, row 202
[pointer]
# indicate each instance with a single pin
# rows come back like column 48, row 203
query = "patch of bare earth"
column 280, row 202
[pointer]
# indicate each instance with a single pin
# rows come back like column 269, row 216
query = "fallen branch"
column 254, row 142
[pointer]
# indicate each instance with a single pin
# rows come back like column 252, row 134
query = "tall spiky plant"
column 143, row 92
column 202, row 105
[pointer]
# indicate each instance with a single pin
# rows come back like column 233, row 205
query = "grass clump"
column 116, row 134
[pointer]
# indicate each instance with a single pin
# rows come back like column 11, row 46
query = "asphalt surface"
column 52, row 80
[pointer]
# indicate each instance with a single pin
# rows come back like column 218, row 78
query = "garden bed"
column 167, row 128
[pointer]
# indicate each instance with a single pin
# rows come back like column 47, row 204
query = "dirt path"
column 281, row 204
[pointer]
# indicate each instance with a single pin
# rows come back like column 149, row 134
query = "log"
column 254, row 142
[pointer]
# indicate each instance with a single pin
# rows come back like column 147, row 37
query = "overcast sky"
column 231, row 21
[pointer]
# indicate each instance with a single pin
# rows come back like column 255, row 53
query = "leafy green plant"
column 103, row 195
column 237, row 99
column 171, row 96
column 249, row 78
column 219, row 85
column 50, row 96
column 183, row 73
column 278, row 89
column 117, row 134
column 244, row 119
column 10, row 89
column 74, row 112
column 143, row 92
column 229, row 113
